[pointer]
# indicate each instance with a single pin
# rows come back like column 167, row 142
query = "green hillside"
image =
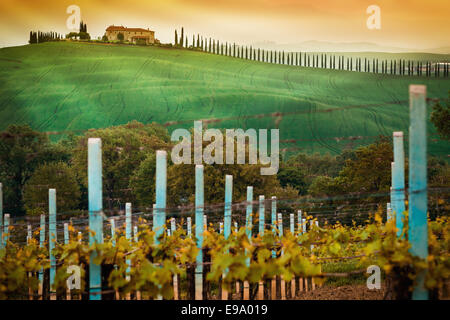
column 73, row 86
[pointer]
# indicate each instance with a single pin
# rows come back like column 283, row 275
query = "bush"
column 57, row 175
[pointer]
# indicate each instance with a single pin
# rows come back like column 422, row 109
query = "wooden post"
column 261, row 290
column 41, row 244
column 52, row 240
column 398, row 186
column 161, row 188
column 273, row 288
column 200, row 222
column 261, row 216
column 418, row 225
column 95, row 213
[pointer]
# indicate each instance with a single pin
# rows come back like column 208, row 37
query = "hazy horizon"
column 406, row 24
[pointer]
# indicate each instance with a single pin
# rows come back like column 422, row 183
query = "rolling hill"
column 77, row 86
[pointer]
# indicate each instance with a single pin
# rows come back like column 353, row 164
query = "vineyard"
column 243, row 253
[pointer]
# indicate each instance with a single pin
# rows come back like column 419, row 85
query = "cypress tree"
column 182, row 37
column 176, row 38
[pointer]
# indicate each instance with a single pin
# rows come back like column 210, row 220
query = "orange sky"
column 405, row 23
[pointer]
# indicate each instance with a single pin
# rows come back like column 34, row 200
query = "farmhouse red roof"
column 122, row 28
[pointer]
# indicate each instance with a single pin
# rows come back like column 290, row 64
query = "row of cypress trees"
column 40, row 37
column 183, row 42
column 323, row 60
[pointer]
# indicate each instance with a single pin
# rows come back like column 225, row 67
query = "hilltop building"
column 133, row 35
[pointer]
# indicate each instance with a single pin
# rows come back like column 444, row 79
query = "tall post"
column 29, row 233
column 418, row 226
column 1, row 215
column 128, row 223
column 41, row 244
column 154, row 217
column 274, row 213
column 95, row 214
column 299, row 223
column 248, row 213
column 248, row 231
column 292, row 225
column 6, row 228
column 113, row 231
column 388, row 212
column 199, row 229
column 173, row 226
column 228, row 202
column 52, row 238
column 161, row 188
column 227, row 219
column 280, row 224
column 135, row 234
column 66, row 233
column 261, row 216
column 189, row 226
column 391, row 193
column 398, row 186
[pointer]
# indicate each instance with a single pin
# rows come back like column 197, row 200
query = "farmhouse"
column 133, row 35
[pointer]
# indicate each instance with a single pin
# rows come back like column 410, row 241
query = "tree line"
column 311, row 60
column 30, row 164
column 41, row 37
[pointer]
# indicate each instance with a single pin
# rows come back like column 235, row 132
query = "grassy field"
column 73, row 86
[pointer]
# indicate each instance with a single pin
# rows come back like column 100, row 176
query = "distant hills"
column 324, row 46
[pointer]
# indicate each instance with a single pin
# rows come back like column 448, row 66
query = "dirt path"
column 349, row 292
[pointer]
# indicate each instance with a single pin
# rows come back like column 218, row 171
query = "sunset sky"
column 405, row 23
